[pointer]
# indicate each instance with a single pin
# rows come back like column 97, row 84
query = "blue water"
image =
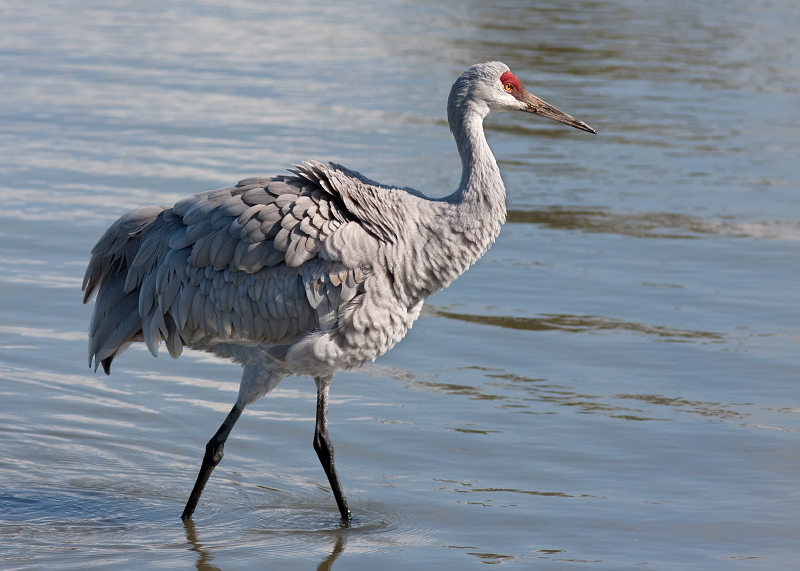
column 613, row 386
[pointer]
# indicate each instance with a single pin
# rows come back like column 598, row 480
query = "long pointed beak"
column 539, row 107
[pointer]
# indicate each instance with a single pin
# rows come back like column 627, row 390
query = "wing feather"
column 263, row 261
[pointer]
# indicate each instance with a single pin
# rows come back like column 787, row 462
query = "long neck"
column 454, row 232
column 480, row 201
column 480, row 178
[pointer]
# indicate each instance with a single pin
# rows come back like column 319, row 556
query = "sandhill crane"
column 305, row 274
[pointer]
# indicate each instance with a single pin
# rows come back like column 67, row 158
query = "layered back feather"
column 240, row 264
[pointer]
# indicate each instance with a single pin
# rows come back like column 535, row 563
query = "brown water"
column 614, row 386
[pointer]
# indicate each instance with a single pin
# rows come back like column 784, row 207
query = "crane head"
column 523, row 100
column 491, row 86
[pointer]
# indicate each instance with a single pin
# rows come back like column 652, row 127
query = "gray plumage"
column 310, row 273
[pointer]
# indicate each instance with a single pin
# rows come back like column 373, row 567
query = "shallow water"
column 613, row 386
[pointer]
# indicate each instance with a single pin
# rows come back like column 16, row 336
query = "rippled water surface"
column 613, row 386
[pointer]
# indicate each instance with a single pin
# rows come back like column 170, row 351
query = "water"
column 614, row 386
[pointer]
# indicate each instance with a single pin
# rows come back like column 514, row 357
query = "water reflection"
column 577, row 324
column 204, row 556
column 492, row 558
column 338, row 549
column 519, row 394
column 467, row 488
column 652, row 224
column 619, row 41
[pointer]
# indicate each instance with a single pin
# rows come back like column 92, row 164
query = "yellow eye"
column 508, row 87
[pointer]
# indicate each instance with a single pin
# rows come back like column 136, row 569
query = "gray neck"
column 480, row 200
column 455, row 231
column 480, row 177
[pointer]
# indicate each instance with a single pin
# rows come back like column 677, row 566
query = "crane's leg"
column 211, row 458
column 323, row 446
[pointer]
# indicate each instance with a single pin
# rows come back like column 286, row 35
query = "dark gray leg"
column 324, row 448
column 211, row 458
